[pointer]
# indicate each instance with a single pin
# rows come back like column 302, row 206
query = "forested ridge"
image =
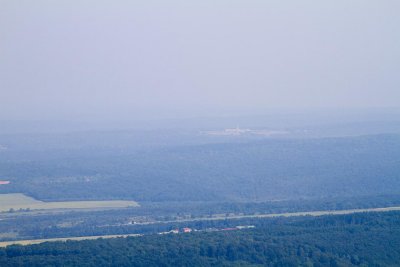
column 249, row 171
column 368, row 239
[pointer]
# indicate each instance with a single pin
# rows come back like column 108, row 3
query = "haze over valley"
column 199, row 133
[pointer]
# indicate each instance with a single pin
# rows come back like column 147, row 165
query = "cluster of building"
column 238, row 131
column 177, row 231
column 189, row 230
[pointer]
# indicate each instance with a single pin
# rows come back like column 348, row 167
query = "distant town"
column 239, row 131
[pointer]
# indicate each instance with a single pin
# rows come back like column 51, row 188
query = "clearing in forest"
column 19, row 201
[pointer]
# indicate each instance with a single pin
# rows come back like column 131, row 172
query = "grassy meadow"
column 19, row 201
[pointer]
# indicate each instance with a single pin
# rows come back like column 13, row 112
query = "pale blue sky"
column 66, row 59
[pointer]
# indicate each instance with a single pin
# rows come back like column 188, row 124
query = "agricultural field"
column 19, row 201
column 39, row 241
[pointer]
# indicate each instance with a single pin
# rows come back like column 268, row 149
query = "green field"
column 21, row 201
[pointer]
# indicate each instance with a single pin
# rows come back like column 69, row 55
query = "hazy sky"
column 66, row 59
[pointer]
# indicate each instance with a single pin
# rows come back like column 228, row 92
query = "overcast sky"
column 75, row 59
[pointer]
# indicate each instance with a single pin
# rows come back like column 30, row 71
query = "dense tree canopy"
column 370, row 239
column 248, row 171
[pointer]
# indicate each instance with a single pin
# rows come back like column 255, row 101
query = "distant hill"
column 262, row 170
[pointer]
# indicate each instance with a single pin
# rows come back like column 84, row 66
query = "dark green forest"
column 368, row 239
column 240, row 171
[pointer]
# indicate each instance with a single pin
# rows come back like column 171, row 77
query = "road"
column 272, row 215
column 275, row 215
